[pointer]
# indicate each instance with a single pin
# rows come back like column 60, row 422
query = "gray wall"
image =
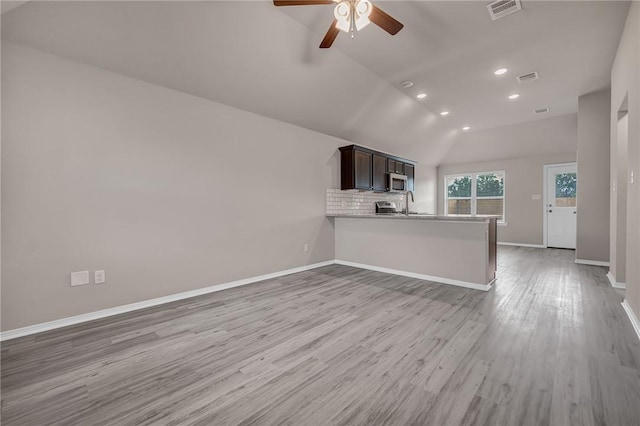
column 592, row 242
column 523, row 179
column 165, row 191
column 426, row 189
column 625, row 94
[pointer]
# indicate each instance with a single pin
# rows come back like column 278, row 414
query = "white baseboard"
column 475, row 286
column 614, row 283
column 500, row 243
column 632, row 317
column 591, row 262
column 77, row 319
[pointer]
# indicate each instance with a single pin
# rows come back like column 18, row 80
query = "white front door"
column 561, row 208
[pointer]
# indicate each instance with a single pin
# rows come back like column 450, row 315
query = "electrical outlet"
column 99, row 277
column 79, row 278
column 306, row 248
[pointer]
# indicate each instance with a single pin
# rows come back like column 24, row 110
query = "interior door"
column 561, row 208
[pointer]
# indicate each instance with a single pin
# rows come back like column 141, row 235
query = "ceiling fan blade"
column 384, row 21
column 300, row 2
column 330, row 36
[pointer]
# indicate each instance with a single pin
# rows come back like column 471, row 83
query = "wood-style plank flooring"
column 550, row 345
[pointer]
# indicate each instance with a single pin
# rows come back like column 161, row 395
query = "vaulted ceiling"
column 263, row 59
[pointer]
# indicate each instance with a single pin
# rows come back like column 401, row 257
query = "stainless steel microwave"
column 397, row 183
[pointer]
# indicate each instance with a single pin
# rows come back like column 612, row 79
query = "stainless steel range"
column 386, row 207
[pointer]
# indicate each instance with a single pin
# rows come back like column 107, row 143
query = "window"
column 566, row 189
column 475, row 194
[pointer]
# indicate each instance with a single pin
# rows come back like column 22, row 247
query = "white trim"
column 64, row 322
column 500, row 243
column 591, row 262
column 545, row 172
column 632, row 317
column 466, row 284
column 614, row 283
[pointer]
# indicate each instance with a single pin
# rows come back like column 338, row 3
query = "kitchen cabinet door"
column 379, row 172
column 410, row 171
column 394, row 166
column 356, row 168
column 363, row 168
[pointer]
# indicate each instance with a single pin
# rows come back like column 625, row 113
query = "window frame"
column 474, row 196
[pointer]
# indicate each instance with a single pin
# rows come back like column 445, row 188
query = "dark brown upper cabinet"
column 395, row 166
column 410, row 171
column 355, row 169
column 379, row 172
column 362, row 162
column 368, row 170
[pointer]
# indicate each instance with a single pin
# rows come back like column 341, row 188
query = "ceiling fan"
column 349, row 16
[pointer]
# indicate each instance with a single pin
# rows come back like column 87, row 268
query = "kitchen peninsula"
column 451, row 250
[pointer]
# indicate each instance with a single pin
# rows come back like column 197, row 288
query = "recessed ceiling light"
column 465, row 128
column 406, row 84
column 443, row 113
column 514, row 96
column 421, row 95
column 500, row 71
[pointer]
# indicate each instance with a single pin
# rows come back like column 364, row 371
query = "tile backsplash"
column 340, row 202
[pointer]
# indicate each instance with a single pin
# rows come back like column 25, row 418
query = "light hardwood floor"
column 550, row 345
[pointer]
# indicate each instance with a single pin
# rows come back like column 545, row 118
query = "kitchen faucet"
column 406, row 204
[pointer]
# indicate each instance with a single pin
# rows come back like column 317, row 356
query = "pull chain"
column 353, row 19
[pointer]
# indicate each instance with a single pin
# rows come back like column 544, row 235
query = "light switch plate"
column 535, row 197
column 79, row 278
column 99, row 277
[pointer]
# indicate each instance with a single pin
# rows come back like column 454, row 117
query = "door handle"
column 550, row 211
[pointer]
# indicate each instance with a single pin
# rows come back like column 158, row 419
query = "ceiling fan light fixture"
column 352, row 15
column 342, row 13
column 349, row 16
column 362, row 12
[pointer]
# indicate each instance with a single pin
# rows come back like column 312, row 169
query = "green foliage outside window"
column 566, row 185
column 459, row 187
column 489, row 186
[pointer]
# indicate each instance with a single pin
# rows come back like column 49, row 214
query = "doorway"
column 561, row 205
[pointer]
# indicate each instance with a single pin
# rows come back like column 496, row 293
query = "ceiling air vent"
column 528, row 77
column 501, row 8
column 541, row 111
